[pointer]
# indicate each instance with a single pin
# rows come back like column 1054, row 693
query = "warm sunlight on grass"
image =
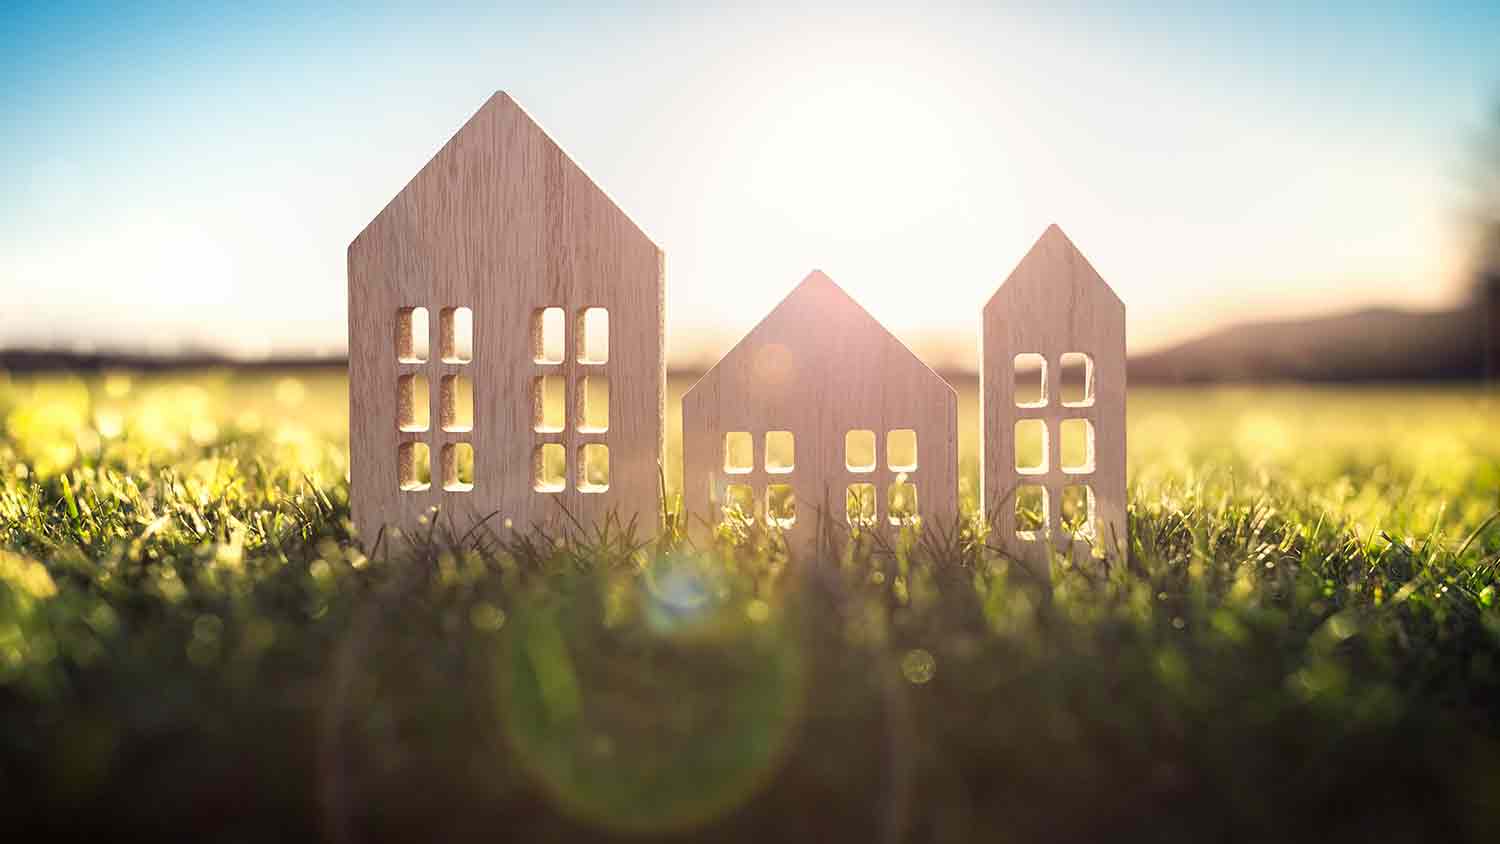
column 1311, row 585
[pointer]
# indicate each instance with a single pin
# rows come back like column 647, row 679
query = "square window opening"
column 1031, row 447
column 411, row 335
column 414, row 467
column 549, row 403
column 901, row 450
column 593, row 468
column 781, row 506
column 901, row 503
column 593, row 404
column 1030, row 380
column 413, row 407
column 593, row 336
column 781, row 452
column 549, row 468
column 1077, row 512
column 547, row 335
column 859, row 451
column 1077, row 376
column 1031, row 513
column 457, row 334
column 458, row 467
column 456, row 403
column 739, row 502
column 739, row 453
column 1076, row 444
column 859, row 505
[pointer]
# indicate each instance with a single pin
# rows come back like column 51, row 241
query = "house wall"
column 501, row 221
column 819, row 366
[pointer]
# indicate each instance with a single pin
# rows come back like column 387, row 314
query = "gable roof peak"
column 817, row 294
column 816, row 278
column 1051, row 260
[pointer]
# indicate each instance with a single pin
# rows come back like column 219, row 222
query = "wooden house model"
column 506, row 367
column 505, row 342
column 819, row 417
column 1052, row 405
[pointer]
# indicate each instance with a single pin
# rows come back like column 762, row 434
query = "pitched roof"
column 1053, row 263
column 818, row 294
column 499, row 120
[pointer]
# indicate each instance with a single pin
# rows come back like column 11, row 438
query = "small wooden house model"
column 1053, row 407
column 820, row 417
column 505, row 342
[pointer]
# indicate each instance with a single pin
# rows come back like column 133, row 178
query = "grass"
column 1304, row 644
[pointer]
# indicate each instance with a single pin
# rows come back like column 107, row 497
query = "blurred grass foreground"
column 1304, row 643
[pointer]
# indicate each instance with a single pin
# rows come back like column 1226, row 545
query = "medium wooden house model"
column 819, row 417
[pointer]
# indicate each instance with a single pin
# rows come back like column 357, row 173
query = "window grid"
column 757, row 466
column 900, row 486
column 422, row 369
column 754, row 475
column 582, row 373
column 1055, row 477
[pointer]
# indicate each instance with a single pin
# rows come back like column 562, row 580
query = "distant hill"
column 1376, row 344
column 57, row 360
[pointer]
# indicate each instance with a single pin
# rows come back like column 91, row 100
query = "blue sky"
column 181, row 176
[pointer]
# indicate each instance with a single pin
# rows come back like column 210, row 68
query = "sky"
column 176, row 176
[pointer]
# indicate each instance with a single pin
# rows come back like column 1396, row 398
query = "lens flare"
column 664, row 728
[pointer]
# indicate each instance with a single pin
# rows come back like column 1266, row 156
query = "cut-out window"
column 739, row 502
column 781, row 506
column 1031, row 447
column 549, row 403
column 411, row 335
column 901, row 503
column 1031, row 512
column 1076, row 444
column 549, row 468
column 1077, row 511
column 781, row 452
column 458, row 467
column 593, row 468
column 1076, row 372
column 456, row 403
column 860, row 505
column 593, row 404
column 859, row 451
column 457, row 334
column 739, row 453
column 414, row 466
column 1031, row 380
column 413, row 410
column 547, row 335
column 593, row 336
column 901, row 450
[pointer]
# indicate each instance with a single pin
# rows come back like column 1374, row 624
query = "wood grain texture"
column 503, row 222
column 819, row 366
column 1052, row 304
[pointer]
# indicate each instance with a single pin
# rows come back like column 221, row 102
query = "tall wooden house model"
column 505, row 342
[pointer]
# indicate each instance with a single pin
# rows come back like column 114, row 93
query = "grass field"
column 1304, row 644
